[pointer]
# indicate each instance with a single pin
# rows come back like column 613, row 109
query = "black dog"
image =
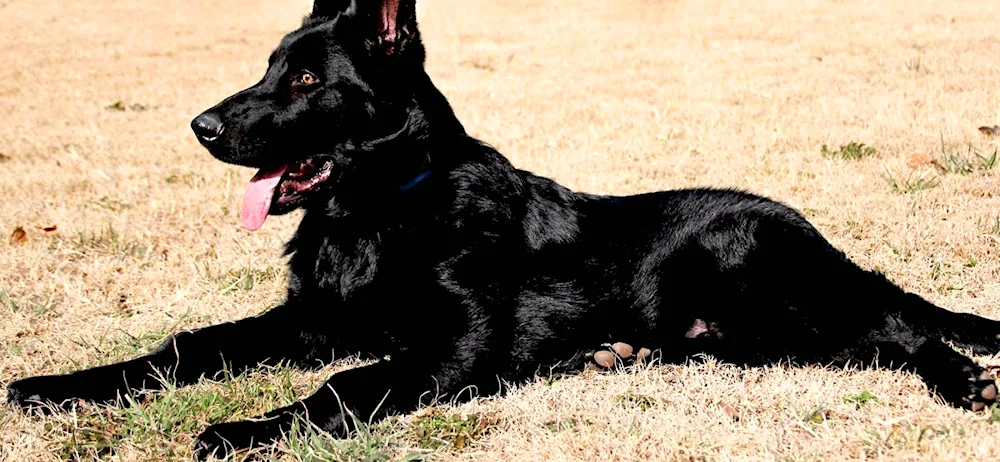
column 425, row 245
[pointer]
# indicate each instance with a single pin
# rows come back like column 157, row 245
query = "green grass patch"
column 244, row 279
column 107, row 242
column 817, row 417
column 636, row 401
column 914, row 181
column 953, row 159
column 994, row 413
column 120, row 106
column 849, row 151
column 106, row 349
column 369, row 443
column 121, row 346
column 434, row 429
column 861, row 399
column 164, row 426
column 33, row 306
column 190, row 179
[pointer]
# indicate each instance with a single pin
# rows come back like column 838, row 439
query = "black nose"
column 207, row 126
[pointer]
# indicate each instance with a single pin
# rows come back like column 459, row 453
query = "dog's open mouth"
column 280, row 189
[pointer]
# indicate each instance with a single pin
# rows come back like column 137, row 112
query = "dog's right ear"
column 331, row 8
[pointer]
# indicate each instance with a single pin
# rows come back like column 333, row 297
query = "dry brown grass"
column 607, row 97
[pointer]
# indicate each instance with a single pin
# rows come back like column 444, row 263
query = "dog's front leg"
column 370, row 392
column 183, row 358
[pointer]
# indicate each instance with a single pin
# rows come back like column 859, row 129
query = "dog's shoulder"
column 490, row 193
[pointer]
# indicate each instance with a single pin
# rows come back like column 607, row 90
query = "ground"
column 863, row 115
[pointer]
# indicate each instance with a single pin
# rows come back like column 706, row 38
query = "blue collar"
column 409, row 185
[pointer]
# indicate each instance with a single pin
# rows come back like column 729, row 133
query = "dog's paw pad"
column 978, row 406
column 623, row 350
column 605, row 358
column 989, row 392
column 620, row 352
column 642, row 355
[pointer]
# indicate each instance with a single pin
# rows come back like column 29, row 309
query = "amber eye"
column 306, row 79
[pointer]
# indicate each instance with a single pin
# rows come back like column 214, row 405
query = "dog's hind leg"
column 873, row 319
column 182, row 359
column 913, row 336
column 964, row 330
column 836, row 312
column 954, row 377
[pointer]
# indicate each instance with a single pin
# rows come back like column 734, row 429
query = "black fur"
column 482, row 273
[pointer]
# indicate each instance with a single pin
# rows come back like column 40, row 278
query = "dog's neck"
column 428, row 111
column 403, row 153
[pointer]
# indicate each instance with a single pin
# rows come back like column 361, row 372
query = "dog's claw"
column 619, row 351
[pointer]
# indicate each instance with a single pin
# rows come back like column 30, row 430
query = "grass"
column 436, row 429
column 849, row 151
column 914, row 181
column 106, row 242
column 954, row 160
column 989, row 225
column 148, row 239
column 370, row 443
column 641, row 402
column 120, row 106
column 862, row 399
column 245, row 279
column 32, row 306
column 166, row 422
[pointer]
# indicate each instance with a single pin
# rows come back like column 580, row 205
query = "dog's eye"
column 305, row 79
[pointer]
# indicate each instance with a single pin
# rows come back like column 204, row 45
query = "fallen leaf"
column 990, row 131
column 919, row 159
column 19, row 236
column 49, row 229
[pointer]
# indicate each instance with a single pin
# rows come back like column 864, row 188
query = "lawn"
column 865, row 116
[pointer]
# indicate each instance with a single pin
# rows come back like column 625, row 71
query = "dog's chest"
column 359, row 274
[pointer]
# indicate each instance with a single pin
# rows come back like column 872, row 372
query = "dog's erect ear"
column 395, row 21
column 332, row 8
column 388, row 23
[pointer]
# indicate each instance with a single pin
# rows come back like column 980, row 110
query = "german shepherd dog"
column 425, row 248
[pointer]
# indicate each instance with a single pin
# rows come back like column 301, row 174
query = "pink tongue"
column 257, row 199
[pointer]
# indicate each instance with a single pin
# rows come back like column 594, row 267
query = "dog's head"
column 331, row 86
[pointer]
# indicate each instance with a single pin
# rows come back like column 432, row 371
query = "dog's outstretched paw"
column 42, row 394
column 984, row 392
